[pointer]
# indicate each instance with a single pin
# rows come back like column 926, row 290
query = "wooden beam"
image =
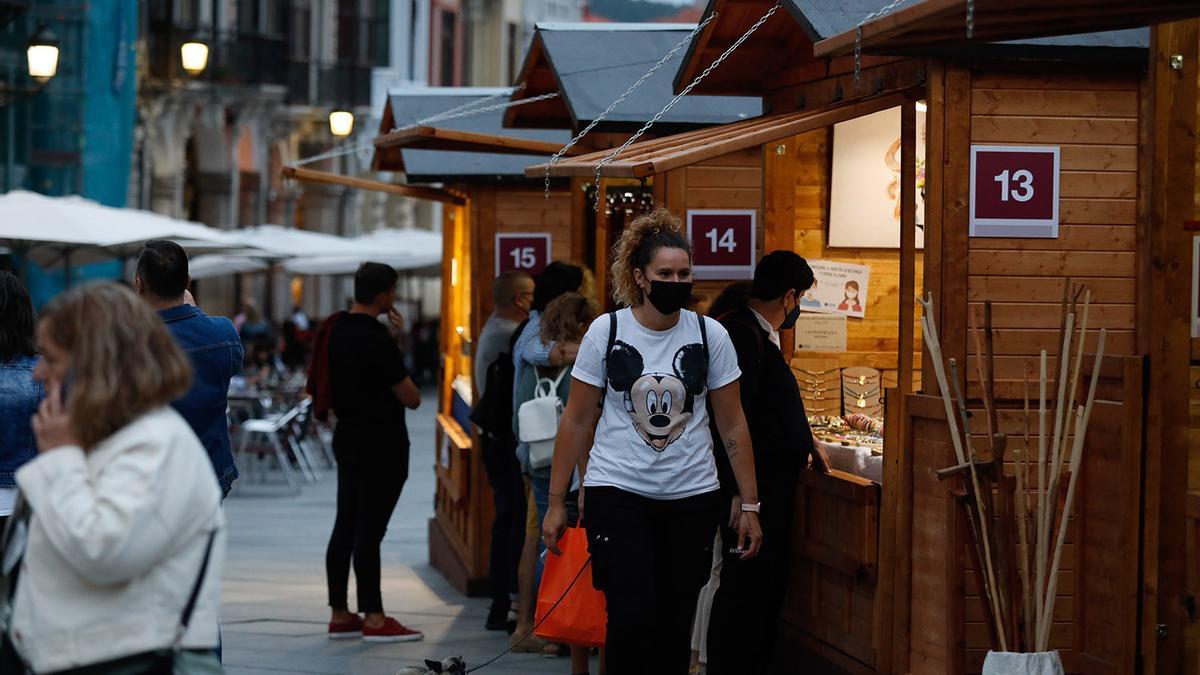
column 411, row 191
column 438, row 138
column 655, row 157
column 1174, row 88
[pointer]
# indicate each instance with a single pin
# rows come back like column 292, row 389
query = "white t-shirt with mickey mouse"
column 653, row 437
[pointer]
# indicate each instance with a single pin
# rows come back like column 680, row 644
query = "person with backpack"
column 746, row 607
column 541, row 396
column 636, row 422
column 512, row 295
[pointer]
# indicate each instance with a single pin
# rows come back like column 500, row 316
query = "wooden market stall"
column 473, row 156
column 883, row 581
column 590, row 66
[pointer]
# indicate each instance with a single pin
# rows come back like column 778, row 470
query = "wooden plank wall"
column 1093, row 118
column 733, row 181
column 872, row 341
column 1193, row 636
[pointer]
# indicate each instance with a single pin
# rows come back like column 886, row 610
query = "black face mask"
column 789, row 321
column 669, row 297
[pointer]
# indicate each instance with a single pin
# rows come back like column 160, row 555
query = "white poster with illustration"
column 840, row 288
column 864, row 200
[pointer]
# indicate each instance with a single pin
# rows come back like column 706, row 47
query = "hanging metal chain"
column 970, row 19
column 441, row 117
column 466, row 106
column 612, row 106
column 687, row 90
column 858, row 35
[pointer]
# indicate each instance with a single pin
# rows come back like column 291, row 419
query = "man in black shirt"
column 370, row 389
column 746, row 608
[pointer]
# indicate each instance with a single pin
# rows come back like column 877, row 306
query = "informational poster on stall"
column 821, row 333
column 1196, row 286
column 840, row 288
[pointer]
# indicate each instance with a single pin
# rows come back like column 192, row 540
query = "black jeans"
column 369, row 484
column 650, row 558
column 508, row 528
column 744, row 622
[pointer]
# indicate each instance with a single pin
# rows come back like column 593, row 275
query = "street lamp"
column 42, row 55
column 194, row 54
column 341, row 122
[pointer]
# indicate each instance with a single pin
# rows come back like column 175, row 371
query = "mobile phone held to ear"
column 64, row 388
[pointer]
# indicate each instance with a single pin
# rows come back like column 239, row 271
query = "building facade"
column 73, row 134
column 210, row 147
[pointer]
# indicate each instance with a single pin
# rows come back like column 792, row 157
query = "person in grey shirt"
column 512, row 295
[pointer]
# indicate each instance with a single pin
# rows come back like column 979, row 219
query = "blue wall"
column 109, row 90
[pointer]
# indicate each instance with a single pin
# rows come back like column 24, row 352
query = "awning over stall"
column 437, row 138
column 943, row 23
column 657, row 156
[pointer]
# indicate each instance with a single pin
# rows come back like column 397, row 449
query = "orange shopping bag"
column 580, row 618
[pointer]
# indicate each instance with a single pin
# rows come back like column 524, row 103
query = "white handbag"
column 537, row 420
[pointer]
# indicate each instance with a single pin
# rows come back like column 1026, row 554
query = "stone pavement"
column 274, row 612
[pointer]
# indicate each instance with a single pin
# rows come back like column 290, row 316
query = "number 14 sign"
column 722, row 243
column 1014, row 191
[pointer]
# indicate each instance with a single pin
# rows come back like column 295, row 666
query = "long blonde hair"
column 645, row 235
column 124, row 362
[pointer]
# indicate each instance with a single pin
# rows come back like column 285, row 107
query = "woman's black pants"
column 368, row 488
column 650, row 558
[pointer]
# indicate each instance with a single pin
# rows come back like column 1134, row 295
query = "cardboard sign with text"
column 821, row 333
column 840, row 288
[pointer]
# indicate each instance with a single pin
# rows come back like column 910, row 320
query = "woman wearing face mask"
column 636, row 425
column 850, row 301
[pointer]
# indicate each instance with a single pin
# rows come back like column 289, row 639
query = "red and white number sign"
column 1014, row 191
column 528, row 253
column 722, row 243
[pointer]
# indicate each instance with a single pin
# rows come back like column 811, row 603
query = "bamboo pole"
column 1083, row 416
column 1023, row 499
column 984, row 516
column 1054, row 466
column 1040, row 571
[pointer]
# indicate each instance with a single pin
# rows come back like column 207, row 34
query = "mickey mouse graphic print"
column 653, row 437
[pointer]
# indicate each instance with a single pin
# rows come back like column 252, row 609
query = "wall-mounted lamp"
column 41, row 54
column 194, row 56
column 341, row 123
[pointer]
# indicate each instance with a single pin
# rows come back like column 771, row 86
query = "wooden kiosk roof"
column 461, row 148
column 941, row 23
column 589, row 65
column 657, row 156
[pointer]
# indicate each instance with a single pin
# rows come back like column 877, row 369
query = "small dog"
column 451, row 666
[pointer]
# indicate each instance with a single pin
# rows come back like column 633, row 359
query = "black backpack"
column 493, row 412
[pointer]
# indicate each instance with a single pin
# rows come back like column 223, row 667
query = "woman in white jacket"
column 126, row 519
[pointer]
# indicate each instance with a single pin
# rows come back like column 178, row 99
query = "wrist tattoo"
column 731, row 448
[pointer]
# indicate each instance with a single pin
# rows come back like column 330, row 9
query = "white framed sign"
column 1014, row 191
column 527, row 252
column 723, row 243
column 1196, row 286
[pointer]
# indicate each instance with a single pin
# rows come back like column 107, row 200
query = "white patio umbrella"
column 221, row 264
column 72, row 230
column 405, row 250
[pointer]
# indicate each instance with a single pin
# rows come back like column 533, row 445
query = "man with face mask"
column 746, row 608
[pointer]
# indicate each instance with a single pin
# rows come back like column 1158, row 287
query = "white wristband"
column 751, row 507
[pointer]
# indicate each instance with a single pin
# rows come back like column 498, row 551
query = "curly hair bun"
column 641, row 239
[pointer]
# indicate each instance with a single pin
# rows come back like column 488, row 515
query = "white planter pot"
column 1009, row 663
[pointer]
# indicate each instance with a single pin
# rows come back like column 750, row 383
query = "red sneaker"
column 391, row 631
column 342, row 630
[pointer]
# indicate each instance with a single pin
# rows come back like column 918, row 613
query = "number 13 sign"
column 722, row 243
column 1014, row 191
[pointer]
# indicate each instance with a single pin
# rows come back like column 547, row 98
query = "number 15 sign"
column 722, row 243
column 1014, row 191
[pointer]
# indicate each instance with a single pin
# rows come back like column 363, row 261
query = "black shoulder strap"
column 703, row 332
column 190, row 607
column 516, row 335
column 612, row 342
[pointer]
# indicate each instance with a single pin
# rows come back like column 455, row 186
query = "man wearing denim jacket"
column 211, row 343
